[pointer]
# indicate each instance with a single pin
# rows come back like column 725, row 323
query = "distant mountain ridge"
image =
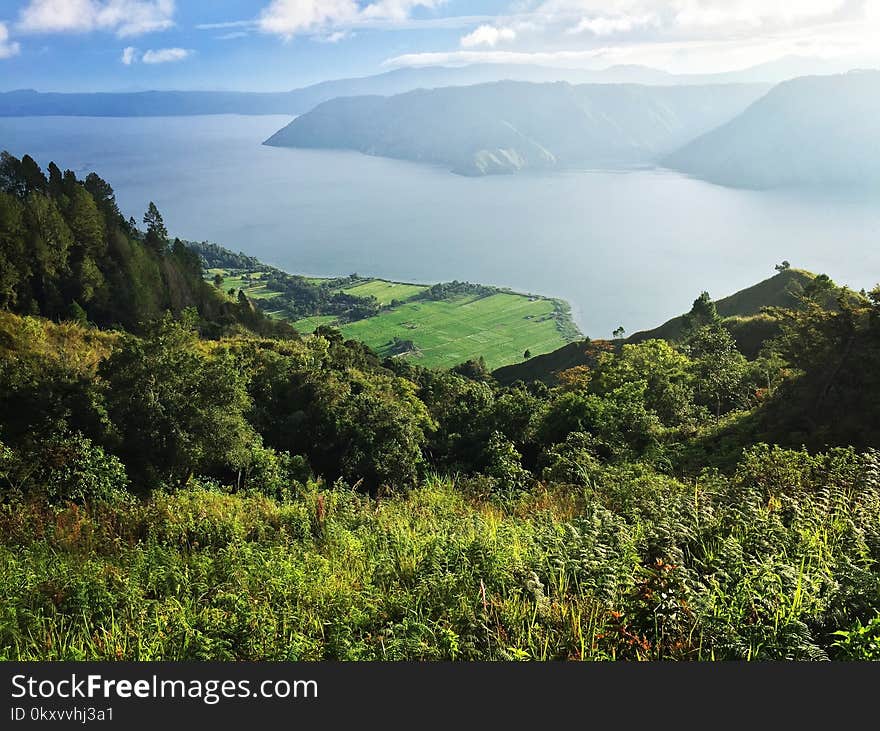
column 506, row 127
column 28, row 102
column 818, row 130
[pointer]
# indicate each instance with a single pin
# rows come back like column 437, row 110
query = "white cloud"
column 488, row 35
column 166, row 55
column 289, row 18
column 131, row 55
column 607, row 26
column 125, row 18
column 703, row 11
column 8, row 48
column 463, row 58
column 678, row 35
column 334, row 37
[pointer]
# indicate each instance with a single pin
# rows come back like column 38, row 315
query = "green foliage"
column 64, row 242
column 504, row 464
column 634, row 566
column 175, row 409
column 702, row 314
column 834, row 356
column 66, row 468
column 861, row 642
column 659, row 502
column 720, row 368
column 573, row 462
column 621, row 425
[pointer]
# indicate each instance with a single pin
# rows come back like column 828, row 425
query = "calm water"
column 632, row 248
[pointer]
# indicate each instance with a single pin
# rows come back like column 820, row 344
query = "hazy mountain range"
column 510, row 126
column 809, row 131
column 28, row 102
column 822, row 129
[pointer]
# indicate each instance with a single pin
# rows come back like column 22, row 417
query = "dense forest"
column 67, row 252
column 182, row 478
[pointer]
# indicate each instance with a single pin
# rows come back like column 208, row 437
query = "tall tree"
column 702, row 313
column 157, row 235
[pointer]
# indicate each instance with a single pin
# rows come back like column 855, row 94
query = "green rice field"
column 386, row 292
column 500, row 328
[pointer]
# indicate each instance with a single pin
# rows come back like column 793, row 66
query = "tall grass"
column 641, row 566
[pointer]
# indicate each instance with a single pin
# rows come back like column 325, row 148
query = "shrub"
column 66, row 468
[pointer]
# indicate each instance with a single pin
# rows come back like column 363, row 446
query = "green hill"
column 545, row 367
column 742, row 313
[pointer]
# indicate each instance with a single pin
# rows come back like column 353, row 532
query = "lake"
column 630, row 248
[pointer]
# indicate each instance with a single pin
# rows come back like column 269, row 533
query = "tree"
column 56, row 181
column 504, row 463
column 834, row 354
column 462, row 409
column 50, row 242
column 104, row 198
column 819, row 289
column 157, row 235
column 720, row 368
column 15, row 266
column 666, row 372
column 77, row 314
column 380, row 431
column 783, row 267
column 619, row 333
column 175, row 409
column 86, row 223
column 21, row 177
column 527, row 354
column 618, row 422
column 218, row 280
column 70, row 468
column 474, row 369
column 702, row 313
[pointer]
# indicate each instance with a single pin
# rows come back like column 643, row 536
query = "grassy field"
column 500, row 328
column 635, row 568
column 386, row 292
column 308, row 325
column 250, row 282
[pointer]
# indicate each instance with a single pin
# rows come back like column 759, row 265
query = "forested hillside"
column 181, row 487
column 66, row 252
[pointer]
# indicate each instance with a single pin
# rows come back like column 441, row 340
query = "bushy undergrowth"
column 779, row 561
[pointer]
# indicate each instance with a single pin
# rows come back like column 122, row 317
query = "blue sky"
column 100, row 45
